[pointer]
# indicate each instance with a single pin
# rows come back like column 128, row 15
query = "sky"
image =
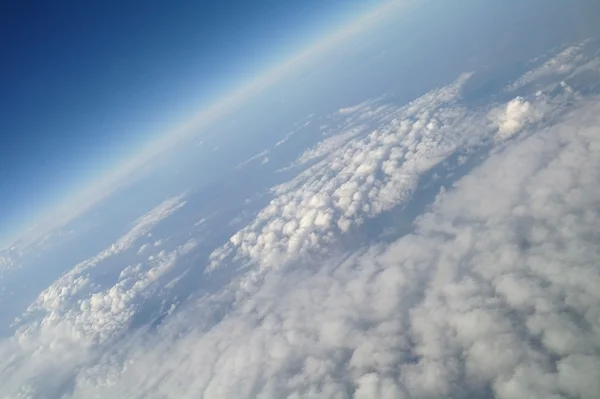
column 440, row 245
column 481, row 281
column 86, row 83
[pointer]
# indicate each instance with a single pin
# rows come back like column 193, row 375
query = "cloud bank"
column 493, row 293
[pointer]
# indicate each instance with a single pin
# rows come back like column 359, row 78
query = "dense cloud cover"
column 493, row 293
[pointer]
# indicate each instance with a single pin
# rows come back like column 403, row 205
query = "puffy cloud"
column 71, row 320
column 514, row 116
column 376, row 161
column 71, row 336
column 494, row 294
column 365, row 172
column 362, row 178
column 63, row 290
column 345, row 124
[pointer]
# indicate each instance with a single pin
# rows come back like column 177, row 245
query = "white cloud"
column 562, row 64
column 261, row 155
column 494, row 294
column 75, row 315
column 338, row 192
column 59, row 294
column 358, row 108
column 363, row 173
column 298, row 127
column 143, row 248
column 330, row 144
column 144, row 224
column 7, row 264
column 514, row 116
column 76, row 325
column 349, row 123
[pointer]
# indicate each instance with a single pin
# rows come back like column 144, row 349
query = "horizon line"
column 103, row 186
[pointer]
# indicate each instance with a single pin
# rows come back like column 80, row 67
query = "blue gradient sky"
column 86, row 83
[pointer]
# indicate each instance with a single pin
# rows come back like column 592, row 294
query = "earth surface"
column 410, row 212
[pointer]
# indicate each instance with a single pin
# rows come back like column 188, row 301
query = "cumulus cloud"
column 514, row 116
column 376, row 161
column 363, row 173
column 62, row 297
column 76, row 327
column 343, row 125
column 493, row 295
column 63, row 290
column 73, row 317
column 362, row 178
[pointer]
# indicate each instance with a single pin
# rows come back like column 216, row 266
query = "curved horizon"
column 60, row 206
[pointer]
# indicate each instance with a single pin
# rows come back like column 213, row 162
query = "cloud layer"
column 492, row 294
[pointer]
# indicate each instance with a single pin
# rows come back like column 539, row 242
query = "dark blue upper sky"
column 83, row 83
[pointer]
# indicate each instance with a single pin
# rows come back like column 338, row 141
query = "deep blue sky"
column 83, row 83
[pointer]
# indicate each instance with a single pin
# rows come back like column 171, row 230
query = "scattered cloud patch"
column 564, row 64
column 329, row 145
column 58, row 296
column 63, row 296
column 143, row 249
column 7, row 264
column 76, row 323
column 144, row 224
column 260, row 156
